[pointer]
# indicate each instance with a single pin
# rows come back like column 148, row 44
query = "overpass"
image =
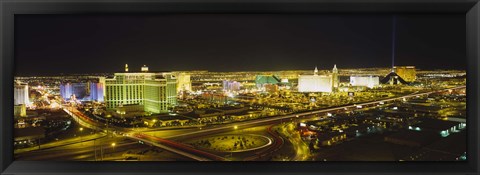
column 195, row 154
column 168, row 145
column 175, row 147
column 302, row 114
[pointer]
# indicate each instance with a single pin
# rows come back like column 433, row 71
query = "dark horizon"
column 81, row 44
column 150, row 70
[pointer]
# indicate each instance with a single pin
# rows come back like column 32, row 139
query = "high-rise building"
column 20, row 94
column 66, row 90
column 156, row 92
column 335, row 79
column 96, row 91
column 90, row 90
column 315, row 82
column 79, row 90
column 183, row 82
column 408, row 73
column 144, row 68
column 367, row 81
column 101, row 81
column 231, row 85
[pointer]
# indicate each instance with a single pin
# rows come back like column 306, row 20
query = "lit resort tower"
column 88, row 91
column 315, row 83
column 183, row 82
column 20, row 94
column 21, row 99
column 147, row 91
column 144, row 68
column 393, row 78
column 335, row 80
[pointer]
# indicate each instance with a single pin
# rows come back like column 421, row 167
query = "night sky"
column 52, row 44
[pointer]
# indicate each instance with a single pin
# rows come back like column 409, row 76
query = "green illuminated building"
column 261, row 80
column 156, row 92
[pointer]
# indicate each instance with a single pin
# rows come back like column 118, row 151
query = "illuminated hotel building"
column 96, row 92
column 101, row 81
column 335, row 79
column 315, row 83
column 408, row 73
column 83, row 90
column 20, row 94
column 156, row 92
column 231, row 85
column 367, row 81
column 144, row 68
column 183, row 82
column 67, row 90
column 20, row 97
column 262, row 80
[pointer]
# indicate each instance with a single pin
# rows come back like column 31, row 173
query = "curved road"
column 203, row 156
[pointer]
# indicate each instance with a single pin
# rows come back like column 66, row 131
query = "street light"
column 81, row 131
column 95, row 149
column 108, row 117
column 113, row 147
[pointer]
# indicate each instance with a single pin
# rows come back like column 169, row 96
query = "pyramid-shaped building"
column 393, row 78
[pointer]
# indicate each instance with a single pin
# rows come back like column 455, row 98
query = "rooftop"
column 264, row 79
column 394, row 77
column 414, row 136
column 435, row 124
column 29, row 132
column 328, row 135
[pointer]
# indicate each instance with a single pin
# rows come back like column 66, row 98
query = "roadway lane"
column 203, row 156
column 277, row 144
column 78, row 151
column 264, row 121
column 180, row 148
column 161, row 143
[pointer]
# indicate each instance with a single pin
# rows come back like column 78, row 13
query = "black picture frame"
column 10, row 8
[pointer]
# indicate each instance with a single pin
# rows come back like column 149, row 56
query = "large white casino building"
column 367, row 81
column 318, row 83
column 314, row 83
column 20, row 94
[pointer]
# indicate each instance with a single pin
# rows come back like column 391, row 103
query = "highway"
column 275, row 119
column 277, row 144
column 82, row 119
column 80, row 151
column 168, row 145
column 195, row 154
column 178, row 148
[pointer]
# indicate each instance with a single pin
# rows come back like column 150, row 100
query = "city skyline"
column 251, row 42
column 401, row 114
column 138, row 69
column 258, row 87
